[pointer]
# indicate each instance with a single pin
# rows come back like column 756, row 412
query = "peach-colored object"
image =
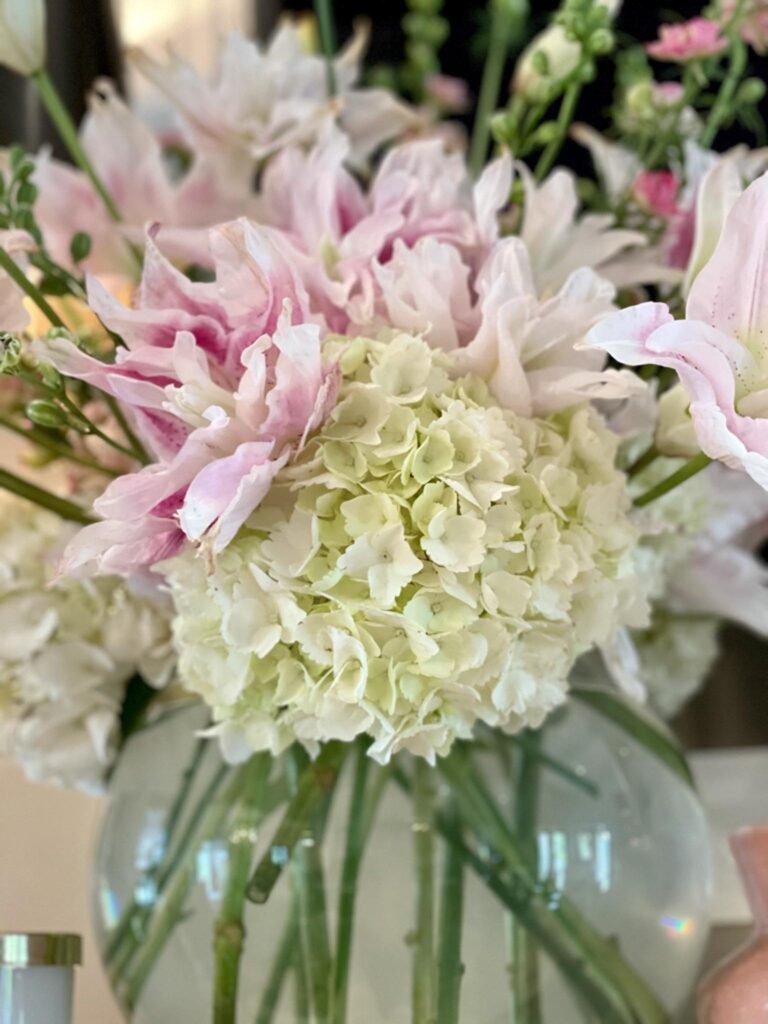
column 736, row 992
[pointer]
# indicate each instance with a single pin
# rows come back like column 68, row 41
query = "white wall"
column 46, row 842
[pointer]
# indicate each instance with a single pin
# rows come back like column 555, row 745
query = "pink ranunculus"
column 690, row 40
column 719, row 350
column 339, row 230
column 223, row 380
column 657, row 192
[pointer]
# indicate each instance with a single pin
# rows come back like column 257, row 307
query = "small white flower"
column 385, row 560
column 22, row 35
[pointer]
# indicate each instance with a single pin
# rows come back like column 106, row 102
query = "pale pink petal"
column 217, row 485
column 731, row 291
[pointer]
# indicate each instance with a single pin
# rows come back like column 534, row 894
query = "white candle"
column 36, row 978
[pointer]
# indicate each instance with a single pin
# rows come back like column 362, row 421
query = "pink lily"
column 719, row 350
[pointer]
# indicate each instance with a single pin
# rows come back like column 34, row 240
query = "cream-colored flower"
column 439, row 561
column 22, row 35
column 67, row 651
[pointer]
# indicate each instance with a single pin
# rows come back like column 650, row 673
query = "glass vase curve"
column 615, row 850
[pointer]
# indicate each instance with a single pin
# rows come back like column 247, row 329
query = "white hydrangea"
column 697, row 567
column 429, row 561
column 67, row 650
column 676, row 655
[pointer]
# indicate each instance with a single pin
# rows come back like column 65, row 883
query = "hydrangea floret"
column 427, row 561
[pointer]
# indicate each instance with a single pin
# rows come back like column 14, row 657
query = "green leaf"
column 634, row 720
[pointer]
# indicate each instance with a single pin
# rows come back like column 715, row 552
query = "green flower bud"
column 602, row 41
column 10, row 353
column 46, row 414
column 80, row 246
column 545, row 133
column 750, row 91
column 51, row 376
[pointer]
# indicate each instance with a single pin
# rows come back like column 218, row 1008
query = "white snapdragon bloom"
column 67, row 651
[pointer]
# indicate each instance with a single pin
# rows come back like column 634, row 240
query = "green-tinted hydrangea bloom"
column 429, row 560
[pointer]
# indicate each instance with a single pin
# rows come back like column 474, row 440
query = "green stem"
column 326, row 25
column 138, row 449
column 175, row 814
column 563, row 924
column 138, row 924
column 88, row 427
column 525, row 963
column 301, row 982
column 230, row 931
column 567, row 110
column 524, row 903
column 45, row 499
column 362, row 811
column 167, row 912
column 643, row 461
column 450, row 966
column 313, row 922
column 68, row 132
column 309, row 890
column 424, row 978
column 17, row 275
column 502, row 22
column 725, row 97
column 284, row 958
column 57, row 448
column 691, row 468
column 316, row 781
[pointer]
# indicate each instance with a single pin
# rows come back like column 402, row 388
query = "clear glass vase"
column 548, row 878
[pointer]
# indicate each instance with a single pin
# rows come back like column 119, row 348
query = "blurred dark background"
column 84, row 43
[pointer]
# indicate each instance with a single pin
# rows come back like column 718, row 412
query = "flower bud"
column 675, row 434
column 46, row 414
column 22, row 35
column 547, row 60
column 750, row 91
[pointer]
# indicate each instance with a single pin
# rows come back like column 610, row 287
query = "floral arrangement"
column 352, row 430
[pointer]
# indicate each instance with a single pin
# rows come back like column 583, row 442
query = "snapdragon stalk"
column 504, row 14
column 723, row 105
column 564, row 118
